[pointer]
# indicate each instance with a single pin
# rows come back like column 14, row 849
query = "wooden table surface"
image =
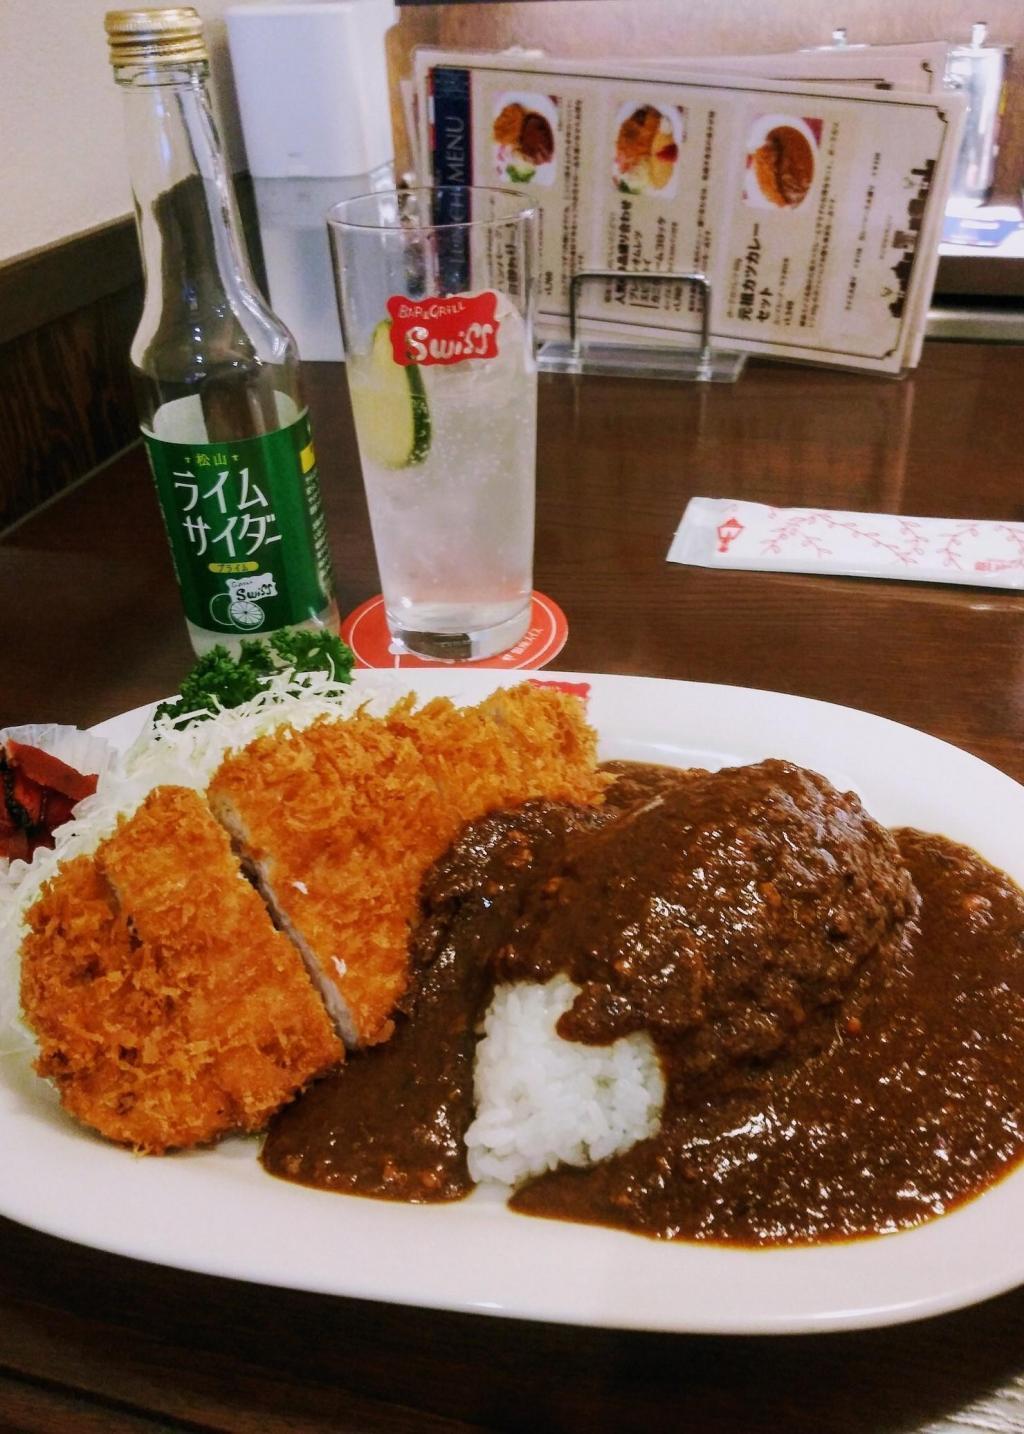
column 92, row 626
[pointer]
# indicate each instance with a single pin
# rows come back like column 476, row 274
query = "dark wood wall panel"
column 65, row 276
column 65, row 400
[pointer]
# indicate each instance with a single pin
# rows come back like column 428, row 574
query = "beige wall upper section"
column 62, row 162
column 700, row 27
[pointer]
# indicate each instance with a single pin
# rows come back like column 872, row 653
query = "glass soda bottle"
column 216, row 373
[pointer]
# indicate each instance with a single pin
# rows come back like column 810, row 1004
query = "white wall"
column 62, row 164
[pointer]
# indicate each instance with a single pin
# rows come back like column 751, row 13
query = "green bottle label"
column 246, row 528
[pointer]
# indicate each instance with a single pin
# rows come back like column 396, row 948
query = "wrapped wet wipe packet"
column 729, row 533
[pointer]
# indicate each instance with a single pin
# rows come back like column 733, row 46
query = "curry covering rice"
column 837, row 1010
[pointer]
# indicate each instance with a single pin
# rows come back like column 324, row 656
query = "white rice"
column 542, row 1101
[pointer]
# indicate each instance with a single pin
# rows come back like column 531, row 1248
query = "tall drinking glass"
column 436, row 295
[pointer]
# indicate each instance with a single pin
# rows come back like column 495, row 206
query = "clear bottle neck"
column 184, row 204
column 205, row 329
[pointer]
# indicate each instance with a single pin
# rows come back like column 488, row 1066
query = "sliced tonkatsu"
column 339, row 822
column 168, row 1008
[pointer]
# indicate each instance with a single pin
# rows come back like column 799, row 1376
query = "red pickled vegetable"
column 38, row 793
column 15, row 847
column 50, row 771
column 29, row 796
column 58, row 809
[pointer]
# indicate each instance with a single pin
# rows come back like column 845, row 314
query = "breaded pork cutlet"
column 339, row 823
column 520, row 742
column 168, row 1008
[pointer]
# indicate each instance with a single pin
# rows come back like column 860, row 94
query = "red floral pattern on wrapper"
column 366, row 632
column 729, row 533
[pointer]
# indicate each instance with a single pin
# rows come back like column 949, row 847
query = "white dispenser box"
column 312, row 86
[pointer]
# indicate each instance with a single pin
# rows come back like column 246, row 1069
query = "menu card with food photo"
column 814, row 209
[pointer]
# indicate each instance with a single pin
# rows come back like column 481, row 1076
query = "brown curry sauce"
column 868, row 1080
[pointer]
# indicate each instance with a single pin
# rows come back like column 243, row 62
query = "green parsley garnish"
column 219, row 680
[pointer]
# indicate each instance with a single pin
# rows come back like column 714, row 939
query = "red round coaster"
column 366, row 632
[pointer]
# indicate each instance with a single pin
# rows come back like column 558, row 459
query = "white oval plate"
column 216, row 1212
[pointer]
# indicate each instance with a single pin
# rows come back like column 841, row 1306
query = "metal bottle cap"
column 155, row 37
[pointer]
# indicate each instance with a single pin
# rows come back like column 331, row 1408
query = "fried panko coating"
column 168, row 1008
column 341, row 821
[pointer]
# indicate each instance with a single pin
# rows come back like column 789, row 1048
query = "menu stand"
column 702, row 364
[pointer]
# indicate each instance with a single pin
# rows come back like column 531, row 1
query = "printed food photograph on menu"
column 781, row 154
column 524, row 138
column 647, row 148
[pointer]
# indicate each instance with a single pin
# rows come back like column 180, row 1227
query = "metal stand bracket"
column 702, row 364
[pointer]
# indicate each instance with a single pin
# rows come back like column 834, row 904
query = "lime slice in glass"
column 390, row 406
